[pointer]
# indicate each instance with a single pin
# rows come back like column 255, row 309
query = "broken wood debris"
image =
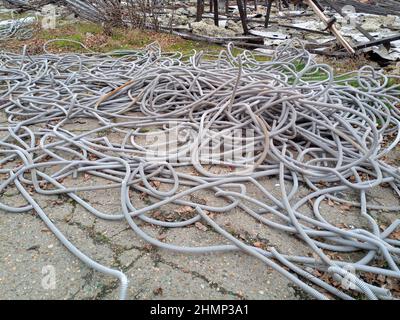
column 331, row 25
column 383, row 41
column 217, row 20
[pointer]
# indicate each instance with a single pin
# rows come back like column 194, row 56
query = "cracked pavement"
column 27, row 247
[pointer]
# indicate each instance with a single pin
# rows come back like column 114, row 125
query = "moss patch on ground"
column 97, row 39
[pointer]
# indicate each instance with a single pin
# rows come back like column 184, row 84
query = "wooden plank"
column 324, row 33
column 377, row 42
column 268, row 13
column 243, row 15
column 216, row 13
column 200, row 10
column 191, row 36
column 331, row 27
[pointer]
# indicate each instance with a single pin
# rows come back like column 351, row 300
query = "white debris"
column 270, row 35
column 22, row 21
column 312, row 25
column 207, row 29
column 234, row 26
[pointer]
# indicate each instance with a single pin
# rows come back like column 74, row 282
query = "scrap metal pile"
column 20, row 29
column 311, row 131
column 383, row 7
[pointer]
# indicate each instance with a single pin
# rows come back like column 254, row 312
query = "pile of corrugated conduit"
column 311, row 130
